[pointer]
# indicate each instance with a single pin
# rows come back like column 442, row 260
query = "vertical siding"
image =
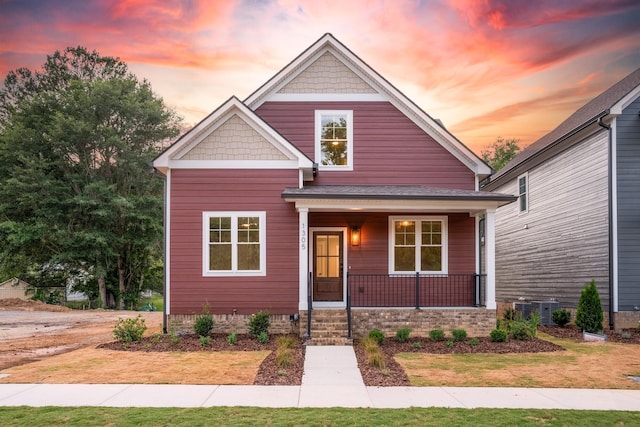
column 196, row 191
column 565, row 244
column 628, row 178
column 388, row 147
column 371, row 257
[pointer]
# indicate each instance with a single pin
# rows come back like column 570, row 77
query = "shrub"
column 283, row 357
column 416, row 345
column 129, row 330
column 561, row 317
column 205, row 340
column 473, row 342
column 263, row 337
column 498, row 335
column 589, row 316
column 204, row 323
column 284, row 342
column 520, row 330
column 376, row 335
column 459, row 334
column 534, row 321
column 174, row 340
column 449, row 344
column 259, row 323
column 370, row 345
column 436, row 335
column 403, row 334
column 232, row 338
column 376, row 359
column 510, row 314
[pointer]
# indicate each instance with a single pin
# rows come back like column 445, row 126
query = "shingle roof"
column 390, row 192
column 589, row 112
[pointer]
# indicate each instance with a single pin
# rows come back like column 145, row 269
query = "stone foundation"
column 228, row 323
column 626, row 319
column 478, row 322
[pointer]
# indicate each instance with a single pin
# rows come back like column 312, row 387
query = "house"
column 578, row 212
column 14, row 288
column 327, row 197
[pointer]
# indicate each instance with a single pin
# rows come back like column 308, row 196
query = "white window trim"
column 417, row 219
column 526, row 193
column 318, row 133
column 234, row 244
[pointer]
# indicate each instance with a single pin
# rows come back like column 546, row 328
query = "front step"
column 329, row 327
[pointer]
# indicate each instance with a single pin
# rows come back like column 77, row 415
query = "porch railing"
column 415, row 290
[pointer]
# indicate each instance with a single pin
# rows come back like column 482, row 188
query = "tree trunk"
column 121, row 284
column 102, row 289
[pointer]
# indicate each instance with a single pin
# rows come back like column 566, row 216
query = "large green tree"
column 76, row 139
column 498, row 154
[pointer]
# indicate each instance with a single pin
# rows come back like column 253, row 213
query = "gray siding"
column 628, row 178
column 562, row 242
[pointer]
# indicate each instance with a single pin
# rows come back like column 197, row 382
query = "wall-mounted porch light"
column 355, row 236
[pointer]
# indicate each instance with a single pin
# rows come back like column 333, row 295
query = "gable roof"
column 381, row 89
column 610, row 102
column 200, row 147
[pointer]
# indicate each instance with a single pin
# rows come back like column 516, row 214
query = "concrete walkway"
column 331, row 379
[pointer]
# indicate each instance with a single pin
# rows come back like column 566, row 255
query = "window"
column 234, row 243
column 334, row 140
column 523, row 193
column 418, row 244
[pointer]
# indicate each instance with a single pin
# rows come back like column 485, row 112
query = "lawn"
column 249, row 416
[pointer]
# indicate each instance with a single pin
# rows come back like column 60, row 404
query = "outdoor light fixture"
column 355, row 236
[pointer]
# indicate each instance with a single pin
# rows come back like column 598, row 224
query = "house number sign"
column 303, row 237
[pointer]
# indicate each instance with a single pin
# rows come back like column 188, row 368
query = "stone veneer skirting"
column 478, row 322
column 228, row 323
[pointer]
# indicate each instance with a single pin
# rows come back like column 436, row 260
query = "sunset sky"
column 486, row 68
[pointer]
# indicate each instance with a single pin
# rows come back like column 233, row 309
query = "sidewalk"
column 331, row 379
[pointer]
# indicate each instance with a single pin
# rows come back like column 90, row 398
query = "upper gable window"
column 334, row 139
column 523, row 193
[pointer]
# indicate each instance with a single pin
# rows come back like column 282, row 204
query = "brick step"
column 328, row 334
column 329, row 341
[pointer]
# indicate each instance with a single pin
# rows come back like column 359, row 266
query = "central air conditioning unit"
column 545, row 309
column 523, row 309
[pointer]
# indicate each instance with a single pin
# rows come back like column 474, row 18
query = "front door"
column 328, row 266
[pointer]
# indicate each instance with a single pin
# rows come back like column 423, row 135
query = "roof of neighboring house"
column 599, row 106
column 390, row 192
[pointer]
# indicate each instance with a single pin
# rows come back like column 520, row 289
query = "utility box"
column 545, row 309
column 523, row 309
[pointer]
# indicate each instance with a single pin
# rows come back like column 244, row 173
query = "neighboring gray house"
column 577, row 216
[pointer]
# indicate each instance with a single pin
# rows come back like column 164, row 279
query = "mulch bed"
column 624, row 336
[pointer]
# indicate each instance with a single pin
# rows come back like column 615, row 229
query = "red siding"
column 388, row 147
column 196, row 191
column 371, row 257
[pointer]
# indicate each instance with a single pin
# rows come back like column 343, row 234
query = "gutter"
column 610, row 208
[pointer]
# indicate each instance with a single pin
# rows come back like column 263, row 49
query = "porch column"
column 490, row 258
column 303, row 262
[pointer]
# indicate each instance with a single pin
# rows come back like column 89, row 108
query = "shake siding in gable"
column 628, row 155
column 388, row 147
column 196, row 191
column 562, row 242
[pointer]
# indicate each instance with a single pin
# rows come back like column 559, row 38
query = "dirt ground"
column 31, row 330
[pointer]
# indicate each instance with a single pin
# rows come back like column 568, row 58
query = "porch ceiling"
column 393, row 198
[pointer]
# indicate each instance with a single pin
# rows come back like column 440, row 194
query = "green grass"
column 249, row 416
column 156, row 299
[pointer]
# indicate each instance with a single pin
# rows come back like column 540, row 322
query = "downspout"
column 610, row 208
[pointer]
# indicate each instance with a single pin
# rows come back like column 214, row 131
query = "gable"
column 327, row 74
column 234, row 140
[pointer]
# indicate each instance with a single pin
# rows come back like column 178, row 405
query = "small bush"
column 205, row 340
column 263, row 338
column 259, row 323
column 534, row 321
column 449, row 344
column 376, row 359
column 416, row 345
column 232, row 338
column 521, row 330
column 283, row 357
column 498, row 335
column 589, row 316
column 561, row 317
column 129, row 330
column 459, row 334
column 376, row 335
column 284, row 342
column 403, row 334
column 204, row 323
column 174, row 339
column 510, row 314
column 473, row 342
column 370, row 345
column 436, row 335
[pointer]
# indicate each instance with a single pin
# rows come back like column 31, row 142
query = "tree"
column 75, row 142
column 589, row 316
column 500, row 152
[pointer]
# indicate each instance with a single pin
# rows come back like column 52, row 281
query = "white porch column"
column 303, row 250
column 490, row 258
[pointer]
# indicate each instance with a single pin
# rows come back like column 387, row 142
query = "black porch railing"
column 415, row 290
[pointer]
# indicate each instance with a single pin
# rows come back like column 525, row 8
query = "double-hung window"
column 334, row 139
column 418, row 244
column 523, row 193
column 234, row 243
